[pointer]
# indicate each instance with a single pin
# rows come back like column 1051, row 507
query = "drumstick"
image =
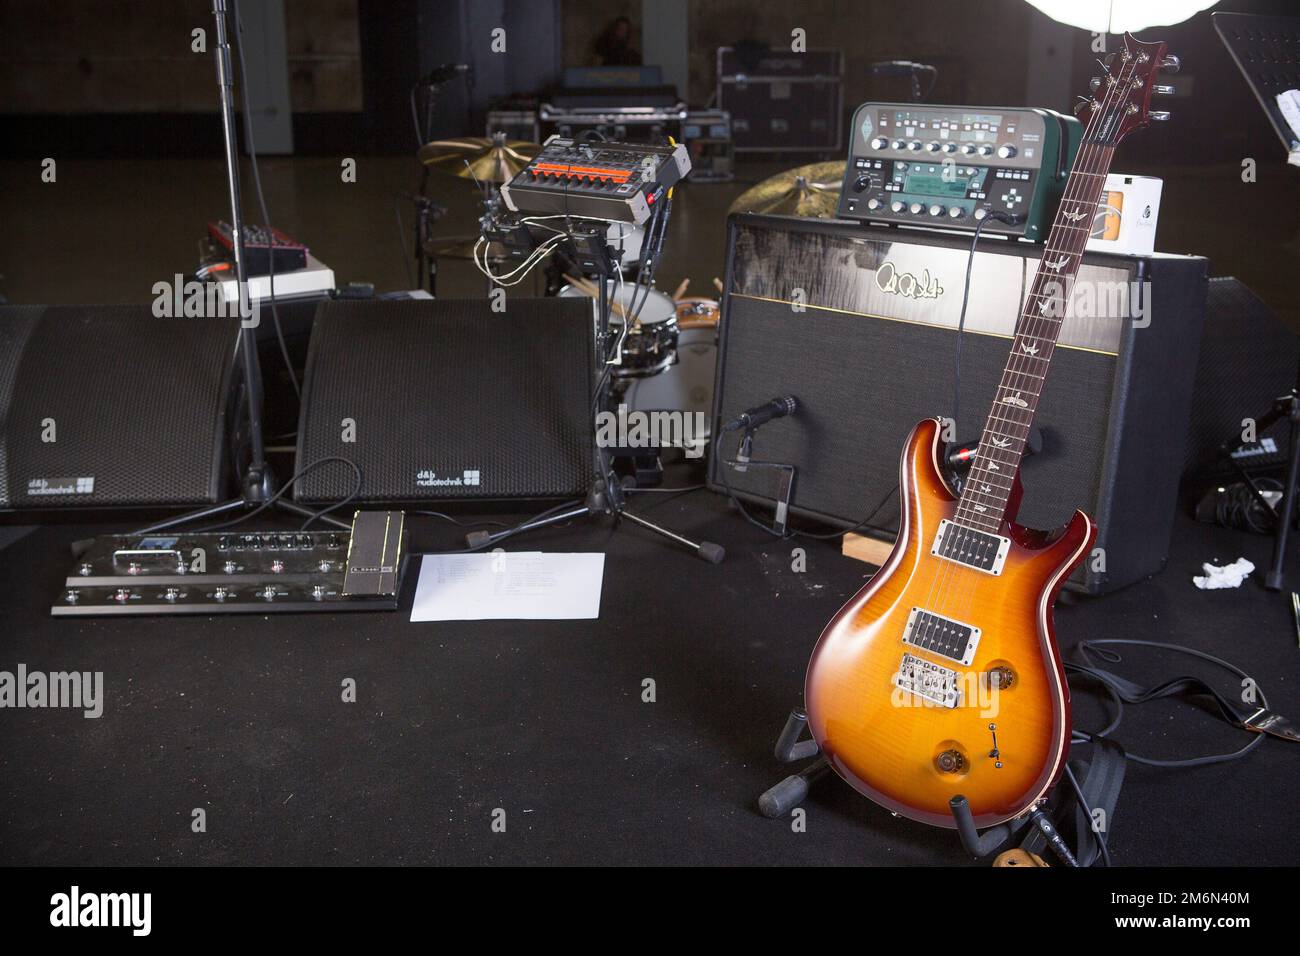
column 718, row 284
column 594, row 292
column 681, row 289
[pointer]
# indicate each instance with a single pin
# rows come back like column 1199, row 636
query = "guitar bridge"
column 928, row 680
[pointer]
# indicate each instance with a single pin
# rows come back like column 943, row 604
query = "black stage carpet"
column 243, row 717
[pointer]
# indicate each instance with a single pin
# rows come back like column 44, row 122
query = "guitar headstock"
column 1121, row 98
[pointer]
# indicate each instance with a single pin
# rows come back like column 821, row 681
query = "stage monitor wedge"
column 108, row 406
column 443, row 399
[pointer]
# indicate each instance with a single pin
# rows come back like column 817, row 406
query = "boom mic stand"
column 258, row 488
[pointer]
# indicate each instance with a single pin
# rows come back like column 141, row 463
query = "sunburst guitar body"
column 997, row 730
column 941, row 677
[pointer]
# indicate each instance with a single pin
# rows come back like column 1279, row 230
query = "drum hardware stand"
column 258, row 487
column 790, row 792
column 427, row 213
column 606, row 496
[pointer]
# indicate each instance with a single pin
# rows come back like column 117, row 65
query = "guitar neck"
column 987, row 492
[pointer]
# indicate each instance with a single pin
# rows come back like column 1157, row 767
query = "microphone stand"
column 257, row 484
column 606, row 495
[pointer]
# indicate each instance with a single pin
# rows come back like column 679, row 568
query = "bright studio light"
column 1121, row 16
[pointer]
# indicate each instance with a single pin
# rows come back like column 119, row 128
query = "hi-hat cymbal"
column 812, row 190
column 494, row 160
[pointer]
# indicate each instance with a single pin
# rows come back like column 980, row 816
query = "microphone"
column 776, row 408
column 441, row 74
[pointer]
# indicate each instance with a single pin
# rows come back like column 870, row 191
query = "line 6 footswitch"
column 949, row 166
column 597, row 180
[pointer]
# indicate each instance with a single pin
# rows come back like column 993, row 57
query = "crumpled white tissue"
column 1228, row 576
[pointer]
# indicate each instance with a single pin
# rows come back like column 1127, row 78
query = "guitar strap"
column 1101, row 777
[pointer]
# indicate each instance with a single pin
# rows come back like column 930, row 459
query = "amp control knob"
column 981, row 213
column 873, row 203
column 915, row 209
column 897, row 206
column 861, row 183
column 950, row 147
column 936, row 210
column 968, row 149
column 914, row 145
column 956, row 212
column 880, row 142
column 986, row 150
column 1006, row 151
column 933, row 146
column 898, row 144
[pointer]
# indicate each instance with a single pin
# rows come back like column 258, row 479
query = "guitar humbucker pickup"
column 971, row 547
column 941, row 635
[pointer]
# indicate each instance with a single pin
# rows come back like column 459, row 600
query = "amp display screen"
column 929, row 185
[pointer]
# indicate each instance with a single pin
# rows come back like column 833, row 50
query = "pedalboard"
column 950, row 166
column 596, row 180
column 253, row 572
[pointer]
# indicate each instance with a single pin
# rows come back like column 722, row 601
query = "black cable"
column 1081, row 736
column 512, row 531
column 460, row 524
column 961, row 319
column 289, row 484
column 720, row 466
column 261, row 200
column 1087, row 812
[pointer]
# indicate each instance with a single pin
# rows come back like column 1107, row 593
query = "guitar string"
column 1091, row 164
column 1040, row 308
column 962, row 537
column 1036, row 314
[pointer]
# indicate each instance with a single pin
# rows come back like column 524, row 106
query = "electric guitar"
column 942, row 676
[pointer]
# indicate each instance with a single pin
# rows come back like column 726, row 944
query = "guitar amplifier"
column 859, row 324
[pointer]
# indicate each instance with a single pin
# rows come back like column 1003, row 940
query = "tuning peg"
column 1159, row 116
column 1162, row 89
column 1170, row 64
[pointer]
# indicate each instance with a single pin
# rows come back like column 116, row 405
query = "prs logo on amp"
column 428, row 478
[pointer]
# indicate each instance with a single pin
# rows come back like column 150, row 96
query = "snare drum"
column 695, row 311
column 651, row 345
column 687, row 386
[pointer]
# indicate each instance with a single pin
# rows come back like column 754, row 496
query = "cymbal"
column 462, row 247
column 812, row 190
column 494, row 160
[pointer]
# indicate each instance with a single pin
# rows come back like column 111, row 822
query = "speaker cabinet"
column 1249, row 357
column 442, row 399
column 109, row 406
column 859, row 323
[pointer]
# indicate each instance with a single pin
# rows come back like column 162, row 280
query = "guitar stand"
column 790, row 792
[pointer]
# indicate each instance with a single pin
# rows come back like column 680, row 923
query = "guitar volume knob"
column 950, row 761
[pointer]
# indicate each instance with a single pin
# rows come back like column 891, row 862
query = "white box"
column 1125, row 221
